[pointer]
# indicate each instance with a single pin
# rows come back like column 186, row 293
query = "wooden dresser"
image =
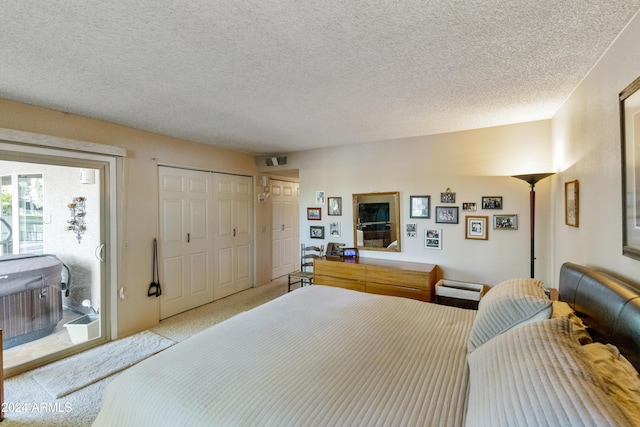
column 398, row 278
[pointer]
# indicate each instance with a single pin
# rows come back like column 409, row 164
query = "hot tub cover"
column 19, row 273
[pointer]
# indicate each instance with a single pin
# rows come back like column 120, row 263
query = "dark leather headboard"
column 609, row 307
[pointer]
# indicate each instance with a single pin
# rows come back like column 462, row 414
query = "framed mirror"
column 376, row 221
column 630, row 139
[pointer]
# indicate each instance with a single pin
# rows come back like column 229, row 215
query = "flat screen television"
column 373, row 212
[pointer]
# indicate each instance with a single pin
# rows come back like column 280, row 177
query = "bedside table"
column 460, row 294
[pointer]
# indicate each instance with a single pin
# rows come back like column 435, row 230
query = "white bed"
column 316, row 356
column 324, row 356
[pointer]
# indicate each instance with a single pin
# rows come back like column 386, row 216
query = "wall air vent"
column 277, row 161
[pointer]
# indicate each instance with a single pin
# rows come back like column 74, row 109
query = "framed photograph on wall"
column 320, row 198
column 420, row 207
column 316, row 231
column 334, row 229
column 491, row 202
column 505, row 222
column 448, row 196
column 433, row 238
column 314, row 214
column 469, row 206
column 412, row 230
column 335, row 206
column 571, row 212
column 476, row 227
column 446, row 215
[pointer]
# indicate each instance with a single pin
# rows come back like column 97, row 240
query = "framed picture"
column 447, row 215
column 412, row 230
column 320, row 199
column 571, row 211
column 491, row 202
column 469, row 206
column 433, row 238
column 316, row 231
column 334, row 229
column 476, row 227
column 630, row 138
column 420, row 207
column 314, row 214
column 448, row 196
column 505, row 222
column 335, row 206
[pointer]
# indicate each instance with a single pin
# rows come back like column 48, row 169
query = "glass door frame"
column 106, row 164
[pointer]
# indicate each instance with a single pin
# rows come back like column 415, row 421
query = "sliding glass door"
column 53, row 235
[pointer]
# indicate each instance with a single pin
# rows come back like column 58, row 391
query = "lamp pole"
column 532, row 180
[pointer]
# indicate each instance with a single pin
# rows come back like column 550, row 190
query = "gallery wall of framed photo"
column 468, row 213
column 457, row 226
column 476, row 216
column 333, row 208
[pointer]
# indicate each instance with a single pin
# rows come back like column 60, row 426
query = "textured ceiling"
column 272, row 76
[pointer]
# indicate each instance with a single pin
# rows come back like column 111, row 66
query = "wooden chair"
column 307, row 255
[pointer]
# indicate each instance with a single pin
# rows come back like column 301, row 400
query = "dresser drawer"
column 338, row 282
column 342, row 270
column 405, row 278
column 399, row 291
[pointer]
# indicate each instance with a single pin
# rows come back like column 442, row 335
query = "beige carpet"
column 76, row 372
column 32, row 405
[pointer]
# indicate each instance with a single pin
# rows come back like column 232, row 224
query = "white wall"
column 586, row 138
column 472, row 164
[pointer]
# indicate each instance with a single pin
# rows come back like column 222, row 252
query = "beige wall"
column 472, row 164
column 586, row 136
column 137, row 204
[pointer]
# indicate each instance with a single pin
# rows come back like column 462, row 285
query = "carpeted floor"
column 29, row 404
column 74, row 373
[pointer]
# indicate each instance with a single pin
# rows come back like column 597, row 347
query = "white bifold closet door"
column 233, row 234
column 205, row 237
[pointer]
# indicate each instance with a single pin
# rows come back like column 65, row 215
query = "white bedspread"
column 318, row 356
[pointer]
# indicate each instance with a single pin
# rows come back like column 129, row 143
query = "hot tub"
column 30, row 297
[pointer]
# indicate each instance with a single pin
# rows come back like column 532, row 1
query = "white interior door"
column 284, row 228
column 186, row 264
column 233, row 231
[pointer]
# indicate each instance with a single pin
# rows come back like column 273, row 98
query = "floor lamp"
column 532, row 179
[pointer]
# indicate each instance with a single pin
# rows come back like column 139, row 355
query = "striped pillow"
column 508, row 304
column 537, row 375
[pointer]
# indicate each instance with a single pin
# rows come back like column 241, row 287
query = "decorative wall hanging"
column 433, row 239
column 335, row 206
column 476, row 227
column 77, row 222
column 448, row 196
column 320, row 197
column 446, row 215
column 505, row 222
column 412, row 230
column 420, row 207
column 314, row 214
column 571, row 211
column 491, row 202
column 334, row 229
column 316, row 232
